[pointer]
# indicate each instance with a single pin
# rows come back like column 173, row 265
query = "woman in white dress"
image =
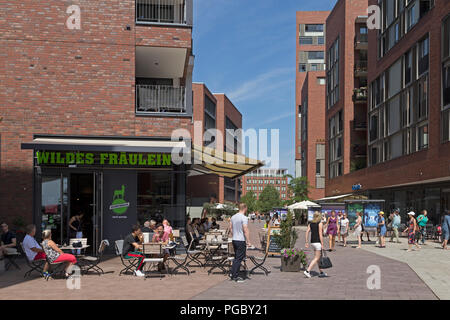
column 358, row 228
column 343, row 230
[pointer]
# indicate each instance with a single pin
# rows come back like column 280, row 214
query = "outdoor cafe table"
column 67, row 248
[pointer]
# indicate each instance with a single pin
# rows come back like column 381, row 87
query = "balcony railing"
column 361, row 67
column 361, row 39
column 359, row 150
column 161, row 11
column 161, row 99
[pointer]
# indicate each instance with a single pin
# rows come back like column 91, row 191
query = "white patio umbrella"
column 303, row 205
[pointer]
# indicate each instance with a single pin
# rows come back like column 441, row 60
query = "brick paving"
column 347, row 280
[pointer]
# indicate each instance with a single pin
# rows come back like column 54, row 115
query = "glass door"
column 54, row 203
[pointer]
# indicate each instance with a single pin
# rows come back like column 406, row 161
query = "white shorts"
column 316, row 246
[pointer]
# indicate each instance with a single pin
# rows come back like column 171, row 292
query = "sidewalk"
column 347, row 279
column 431, row 263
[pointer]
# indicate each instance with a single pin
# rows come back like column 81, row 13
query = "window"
column 408, row 67
column 320, row 40
column 411, row 17
column 374, row 156
column 314, row 67
column 317, row 167
column 314, row 28
column 321, row 81
column 306, row 40
column 316, row 55
column 423, row 98
column 423, row 55
column 302, row 67
column 446, row 85
column 423, row 137
column 333, row 74
column 373, row 129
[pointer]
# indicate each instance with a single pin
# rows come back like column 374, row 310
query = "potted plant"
column 291, row 259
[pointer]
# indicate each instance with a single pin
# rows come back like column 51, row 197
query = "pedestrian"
column 358, row 228
column 343, row 230
column 382, row 230
column 332, row 230
column 396, row 221
column 364, row 230
column 422, row 221
column 76, row 228
column 316, row 230
column 339, row 217
column 446, row 230
column 240, row 240
column 412, row 229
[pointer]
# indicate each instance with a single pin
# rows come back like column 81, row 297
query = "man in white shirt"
column 241, row 238
column 32, row 249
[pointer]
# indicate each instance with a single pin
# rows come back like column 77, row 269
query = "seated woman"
column 167, row 228
column 55, row 254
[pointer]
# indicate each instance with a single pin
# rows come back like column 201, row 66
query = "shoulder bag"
column 324, row 261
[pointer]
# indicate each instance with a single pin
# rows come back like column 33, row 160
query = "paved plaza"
column 347, row 280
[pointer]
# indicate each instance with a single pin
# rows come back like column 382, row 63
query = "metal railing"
column 162, row 99
column 361, row 38
column 361, row 66
column 161, row 11
column 360, row 94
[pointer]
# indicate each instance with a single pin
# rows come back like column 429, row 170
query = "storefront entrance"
column 64, row 194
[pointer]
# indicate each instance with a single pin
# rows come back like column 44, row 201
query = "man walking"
column 239, row 230
column 396, row 221
column 422, row 221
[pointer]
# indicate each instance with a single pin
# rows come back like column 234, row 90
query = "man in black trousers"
column 241, row 238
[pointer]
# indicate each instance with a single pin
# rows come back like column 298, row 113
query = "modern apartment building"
column 259, row 179
column 310, row 56
column 408, row 109
column 214, row 111
column 89, row 97
column 313, row 132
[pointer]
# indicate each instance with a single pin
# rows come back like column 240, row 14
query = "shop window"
column 154, row 193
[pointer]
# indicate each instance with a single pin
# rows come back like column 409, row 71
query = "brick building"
column 89, row 97
column 259, row 179
column 408, row 161
column 214, row 111
column 313, row 132
column 310, row 57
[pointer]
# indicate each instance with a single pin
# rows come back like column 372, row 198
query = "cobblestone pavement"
column 431, row 263
column 347, row 279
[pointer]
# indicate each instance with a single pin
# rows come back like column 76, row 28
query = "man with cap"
column 396, row 221
column 412, row 229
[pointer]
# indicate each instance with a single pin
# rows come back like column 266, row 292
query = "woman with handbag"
column 316, row 230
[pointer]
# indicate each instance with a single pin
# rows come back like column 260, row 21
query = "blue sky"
column 246, row 49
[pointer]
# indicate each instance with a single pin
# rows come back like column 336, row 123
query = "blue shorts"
column 383, row 232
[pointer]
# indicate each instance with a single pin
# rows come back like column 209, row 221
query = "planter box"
column 291, row 264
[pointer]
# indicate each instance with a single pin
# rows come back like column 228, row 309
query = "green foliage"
column 293, row 253
column 228, row 209
column 299, row 188
column 250, row 200
column 288, row 236
column 268, row 199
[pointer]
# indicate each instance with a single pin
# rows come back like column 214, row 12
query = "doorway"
column 81, row 202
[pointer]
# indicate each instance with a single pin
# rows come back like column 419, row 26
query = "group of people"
column 337, row 224
column 133, row 243
column 196, row 228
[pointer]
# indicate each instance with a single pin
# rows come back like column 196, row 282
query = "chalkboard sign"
column 272, row 247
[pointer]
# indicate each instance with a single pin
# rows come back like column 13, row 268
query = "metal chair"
column 129, row 264
column 192, row 255
column 11, row 260
column 35, row 265
column 153, row 249
column 218, row 257
column 259, row 264
column 88, row 262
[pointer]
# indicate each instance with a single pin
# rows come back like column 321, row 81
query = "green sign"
column 103, row 159
column 119, row 205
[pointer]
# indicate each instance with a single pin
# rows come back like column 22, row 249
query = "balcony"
column 361, row 68
column 160, row 99
column 359, row 150
column 359, row 125
column 161, row 11
column 360, row 95
column 361, row 42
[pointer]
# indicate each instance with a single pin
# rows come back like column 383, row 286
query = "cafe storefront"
column 115, row 182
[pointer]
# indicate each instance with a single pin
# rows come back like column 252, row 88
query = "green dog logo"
column 119, row 205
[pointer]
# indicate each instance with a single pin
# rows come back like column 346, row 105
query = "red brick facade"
column 313, row 94
column 432, row 163
column 257, row 181
column 70, row 82
column 212, row 187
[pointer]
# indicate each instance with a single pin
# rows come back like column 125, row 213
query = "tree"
column 299, row 187
column 268, row 199
column 250, row 200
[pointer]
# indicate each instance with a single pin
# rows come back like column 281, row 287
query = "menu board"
column 273, row 248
